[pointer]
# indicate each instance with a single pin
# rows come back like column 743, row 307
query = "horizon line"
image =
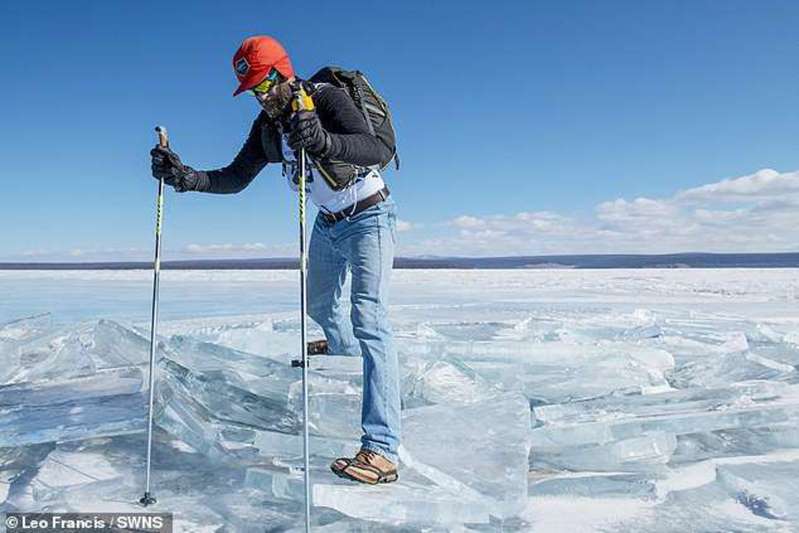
column 609, row 260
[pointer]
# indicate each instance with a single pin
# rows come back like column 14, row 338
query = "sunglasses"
column 272, row 79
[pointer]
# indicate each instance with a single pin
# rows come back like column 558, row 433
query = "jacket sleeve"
column 350, row 140
column 233, row 178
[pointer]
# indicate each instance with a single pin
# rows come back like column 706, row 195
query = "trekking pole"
column 149, row 499
column 303, row 102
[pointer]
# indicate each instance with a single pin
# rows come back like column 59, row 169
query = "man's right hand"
column 167, row 166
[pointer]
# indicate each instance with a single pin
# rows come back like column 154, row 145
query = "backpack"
column 368, row 100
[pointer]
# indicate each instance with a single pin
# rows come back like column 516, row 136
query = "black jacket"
column 350, row 139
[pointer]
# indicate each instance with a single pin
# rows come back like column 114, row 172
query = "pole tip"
column 147, row 499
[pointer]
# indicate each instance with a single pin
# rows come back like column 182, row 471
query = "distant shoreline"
column 685, row 260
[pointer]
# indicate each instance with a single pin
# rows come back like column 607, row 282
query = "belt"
column 369, row 201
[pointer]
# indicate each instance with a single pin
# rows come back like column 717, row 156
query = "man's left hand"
column 307, row 132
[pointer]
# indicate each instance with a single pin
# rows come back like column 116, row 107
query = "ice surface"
column 280, row 482
column 15, row 333
column 446, row 381
column 112, row 344
column 109, row 402
column 593, row 484
column 532, row 401
column 107, row 473
column 560, row 371
column 65, row 469
column 272, row 377
column 334, row 406
column 27, row 328
column 643, row 453
column 484, row 445
column 769, row 490
column 620, row 419
column 78, row 351
column 403, row 504
column 735, row 441
column 17, row 466
column 58, row 354
column 216, row 414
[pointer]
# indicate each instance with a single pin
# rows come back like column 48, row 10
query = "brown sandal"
column 366, row 467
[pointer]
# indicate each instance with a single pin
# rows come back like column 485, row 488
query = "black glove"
column 307, row 132
column 168, row 166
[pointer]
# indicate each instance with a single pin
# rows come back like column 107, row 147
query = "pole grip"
column 302, row 101
column 163, row 136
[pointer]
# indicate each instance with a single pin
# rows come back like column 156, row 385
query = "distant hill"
column 688, row 260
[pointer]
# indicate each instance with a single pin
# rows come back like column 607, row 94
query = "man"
column 355, row 229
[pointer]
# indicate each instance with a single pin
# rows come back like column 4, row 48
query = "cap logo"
column 242, row 67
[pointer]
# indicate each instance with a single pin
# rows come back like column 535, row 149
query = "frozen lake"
column 545, row 400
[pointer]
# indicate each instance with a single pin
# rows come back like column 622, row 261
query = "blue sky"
column 524, row 127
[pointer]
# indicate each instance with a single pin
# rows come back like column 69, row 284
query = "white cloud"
column 235, row 250
column 229, row 247
column 766, row 183
column 189, row 251
column 404, row 225
column 81, row 254
column 468, row 222
column 757, row 212
column 622, row 211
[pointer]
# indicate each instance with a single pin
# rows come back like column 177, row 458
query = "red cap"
column 255, row 58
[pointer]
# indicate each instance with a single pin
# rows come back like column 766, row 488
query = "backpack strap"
column 315, row 87
column 364, row 111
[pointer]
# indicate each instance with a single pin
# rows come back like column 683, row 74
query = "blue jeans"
column 362, row 245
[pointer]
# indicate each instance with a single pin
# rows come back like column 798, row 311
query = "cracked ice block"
column 215, row 414
column 557, row 371
column 224, row 395
column 334, row 406
column 15, row 333
column 23, row 329
column 63, row 470
column 9, row 359
column 723, row 369
column 287, row 445
column 81, row 350
column 400, row 502
column 769, row 490
column 254, row 335
column 59, row 354
column 112, row 344
column 751, row 404
column 111, row 402
column 484, row 446
column 334, row 396
column 644, row 453
column 593, row 485
column 182, row 417
column 273, row 377
column 15, row 465
column 445, row 381
column 111, row 382
column 736, row 441
column 279, row 482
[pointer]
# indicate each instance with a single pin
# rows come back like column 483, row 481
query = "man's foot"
column 317, row 347
column 366, row 467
